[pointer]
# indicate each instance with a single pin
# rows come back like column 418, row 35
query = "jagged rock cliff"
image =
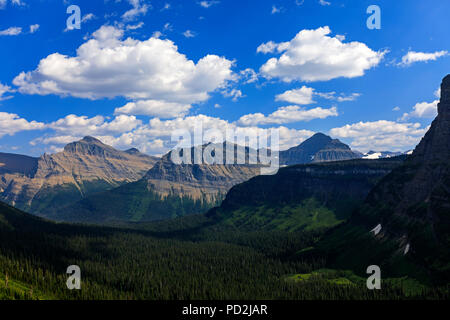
column 404, row 224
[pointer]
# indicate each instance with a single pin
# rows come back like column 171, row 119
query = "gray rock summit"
column 318, row 148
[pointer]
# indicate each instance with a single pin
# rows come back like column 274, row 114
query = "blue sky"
column 137, row 70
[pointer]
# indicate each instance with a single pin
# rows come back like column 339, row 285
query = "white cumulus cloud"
column 108, row 66
column 381, row 135
column 413, row 56
column 82, row 125
column 288, row 114
column 154, row 108
column 313, row 55
column 301, row 96
column 422, row 110
column 304, row 96
column 11, row 123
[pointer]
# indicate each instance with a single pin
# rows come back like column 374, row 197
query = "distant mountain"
column 302, row 197
column 380, row 154
column 404, row 224
column 54, row 180
column 166, row 191
column 318, row 148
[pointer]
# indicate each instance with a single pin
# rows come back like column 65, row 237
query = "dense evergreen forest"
column 186, row 258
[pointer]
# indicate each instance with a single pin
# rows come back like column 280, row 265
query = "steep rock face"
column 199, row 180
column 318, row 148
column 83, row 167
column 408, row 212
column 419, row 191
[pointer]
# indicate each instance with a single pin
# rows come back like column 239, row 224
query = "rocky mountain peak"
column 89, row 139
column 90, row 146
column 318, row 148
column 435, row 145
column 444, row 104
column 132, row 151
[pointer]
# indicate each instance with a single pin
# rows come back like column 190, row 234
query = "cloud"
column 422, row 110
column 234, row 94
column 154, row 108
column 11, row 123
column 189, row 34
column 153, row 137
column 248, row 75
column 267, row 47
column 139, row 8
column 339, row 98
column 287, row 115
column 304, row 96
column 381, row 135
column 135, row 26
column 87, row 17
column 82, row 125
column 34, row 28
column 168, row 27
column 314, row 56
column 396, row 109
column 207, row 4
column 301, row 96
column 275, row 10
column 13, row 2
column 11, row 31
column 324, row 3
column 5, row 89
column 107, row 66
column 437, row 93
column 412, row 57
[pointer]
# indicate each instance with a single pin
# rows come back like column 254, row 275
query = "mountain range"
column 82, row 168
column 89, row 172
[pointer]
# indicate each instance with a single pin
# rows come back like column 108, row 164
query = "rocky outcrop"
column 201, row 180
column 54, row 180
